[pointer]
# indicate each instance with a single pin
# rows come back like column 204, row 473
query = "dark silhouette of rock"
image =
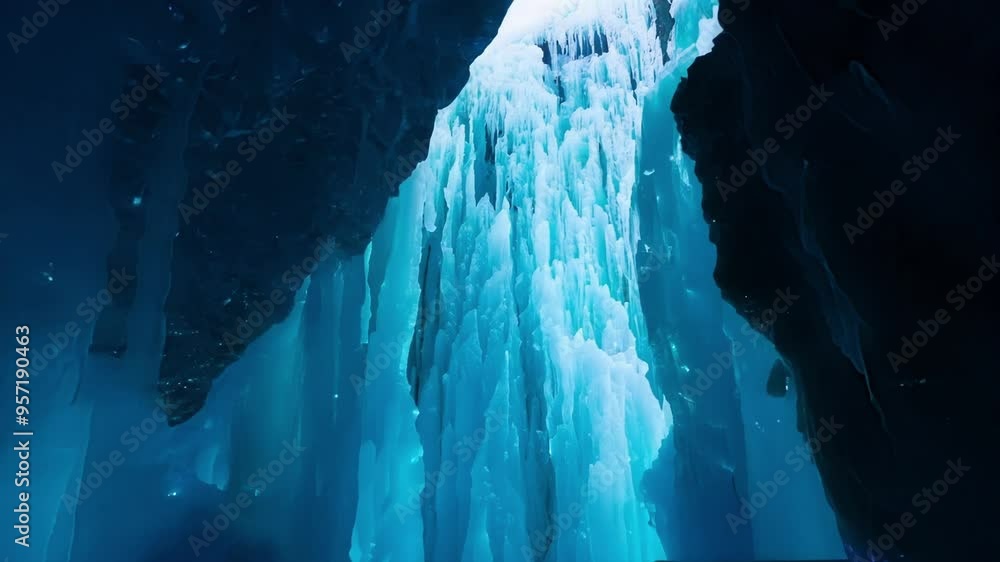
column 280, row 133
column 845, row 152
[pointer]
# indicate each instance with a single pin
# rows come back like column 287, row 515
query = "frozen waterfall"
column 504, row 310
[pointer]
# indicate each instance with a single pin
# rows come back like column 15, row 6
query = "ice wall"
column 504, row 311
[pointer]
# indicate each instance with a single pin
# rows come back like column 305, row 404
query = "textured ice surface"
column 505, row 273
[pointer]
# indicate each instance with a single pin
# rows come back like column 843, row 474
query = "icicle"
column 511, row 256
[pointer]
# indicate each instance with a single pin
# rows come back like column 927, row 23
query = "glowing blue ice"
column 506, row 272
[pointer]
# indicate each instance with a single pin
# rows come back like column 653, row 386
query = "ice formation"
column 505, row 273
column 496, row 378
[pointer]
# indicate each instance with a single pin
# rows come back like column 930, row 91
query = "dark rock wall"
column 299, row 120
column 883, row 84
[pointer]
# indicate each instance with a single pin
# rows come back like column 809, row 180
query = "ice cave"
column 492, row 281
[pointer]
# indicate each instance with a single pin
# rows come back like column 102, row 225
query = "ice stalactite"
column 505, row 314
column 390, row 463
column 330, row 420
column 116, row 396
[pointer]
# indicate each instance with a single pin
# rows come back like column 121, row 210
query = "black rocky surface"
column 896, row 85
column 359, row 91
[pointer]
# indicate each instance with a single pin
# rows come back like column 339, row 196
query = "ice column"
column 505, row 314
